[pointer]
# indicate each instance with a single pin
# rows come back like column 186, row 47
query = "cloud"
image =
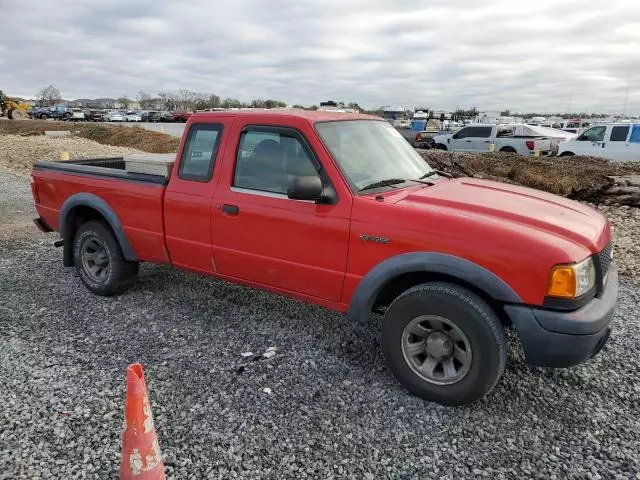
column 523, row 56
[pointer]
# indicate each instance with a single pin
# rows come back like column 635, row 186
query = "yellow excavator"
column 11, row 108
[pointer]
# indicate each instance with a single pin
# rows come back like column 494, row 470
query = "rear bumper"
column 563, row 339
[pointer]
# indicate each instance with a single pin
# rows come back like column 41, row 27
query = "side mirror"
column 305, row 188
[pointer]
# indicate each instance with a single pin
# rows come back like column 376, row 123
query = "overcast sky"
column 542, row 55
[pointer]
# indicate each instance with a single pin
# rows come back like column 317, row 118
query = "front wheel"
column 99, row 261
column 444, row 343
column 441, row 146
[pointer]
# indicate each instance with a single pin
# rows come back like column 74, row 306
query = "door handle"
column 230, row 209
column 602, row 144
column 468, row 141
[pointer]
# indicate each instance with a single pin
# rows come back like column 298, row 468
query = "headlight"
column 571, row 281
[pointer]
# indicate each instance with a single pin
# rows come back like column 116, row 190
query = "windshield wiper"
column 438, row 172
column 383, row 183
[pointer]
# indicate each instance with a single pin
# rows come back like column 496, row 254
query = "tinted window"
column 268, row 159
column 635, row 134
column 461, row 133
column 478, row 132
column 619, row 134
column 200, row 151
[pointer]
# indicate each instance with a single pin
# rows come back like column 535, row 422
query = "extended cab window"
column 619, row 134
column 268, row 158
column 199, row 153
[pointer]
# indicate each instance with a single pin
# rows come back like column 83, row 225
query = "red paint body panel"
column 314, row 252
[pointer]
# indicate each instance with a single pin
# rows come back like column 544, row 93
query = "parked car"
column 480, row 137
column 76, row 114
column 132, row 116
column 114, row 116
column 424, row 139
column 181, row 116
column 94, row 115
column 614, row 141
column 58, row 112
column 337, row 209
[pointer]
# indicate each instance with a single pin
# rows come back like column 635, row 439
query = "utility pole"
column 626, row 100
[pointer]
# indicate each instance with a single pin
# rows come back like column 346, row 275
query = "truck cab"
column 613, row 141
column 338, row 210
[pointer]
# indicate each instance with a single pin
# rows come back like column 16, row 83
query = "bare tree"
column 144, row 99
column 124, row 102
column 49, row 96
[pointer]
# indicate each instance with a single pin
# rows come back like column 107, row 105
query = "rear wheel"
column 508, row 150
column 566, row 154
column 444, row 343
column 99, row 260
column 43, row 117
column 441, row 146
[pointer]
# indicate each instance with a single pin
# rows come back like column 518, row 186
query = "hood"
column 538, row 210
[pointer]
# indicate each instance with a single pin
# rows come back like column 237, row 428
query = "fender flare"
column 378, row 277
column 93, row 201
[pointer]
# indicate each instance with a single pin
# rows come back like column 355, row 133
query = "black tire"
column 482, row 331
column 508, row 150
column 566, row 154
column 441, row 146
column 118, row 274
column 43, row 117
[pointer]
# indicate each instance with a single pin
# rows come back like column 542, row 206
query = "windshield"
column 370, row 151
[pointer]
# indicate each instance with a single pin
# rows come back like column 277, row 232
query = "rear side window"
column 635, row 134
column 619, row 134
column 479, row 132
column 199, row 154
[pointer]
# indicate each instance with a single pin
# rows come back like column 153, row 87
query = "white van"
column 614, row 141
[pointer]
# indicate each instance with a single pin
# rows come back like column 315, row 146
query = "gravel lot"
column 334, row 411
column 20, row 153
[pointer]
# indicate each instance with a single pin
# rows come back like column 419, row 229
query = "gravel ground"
column 20, row 153
column 334, row 410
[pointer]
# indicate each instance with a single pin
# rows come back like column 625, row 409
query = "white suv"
column 614, row 141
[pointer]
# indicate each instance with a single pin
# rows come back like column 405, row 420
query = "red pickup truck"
column 339, row 210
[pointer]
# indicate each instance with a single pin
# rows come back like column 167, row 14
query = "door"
column 591, row 142
column 187, row 201
column 619, row 148
column 262, row 236
column 459, row 141
column 480, row 138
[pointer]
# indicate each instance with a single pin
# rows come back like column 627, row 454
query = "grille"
column 605, row 258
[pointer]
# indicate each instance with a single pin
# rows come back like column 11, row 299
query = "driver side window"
column 268, row 159
column 460, row 133
column 594, row 134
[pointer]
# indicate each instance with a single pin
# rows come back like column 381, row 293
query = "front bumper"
column 563, row 339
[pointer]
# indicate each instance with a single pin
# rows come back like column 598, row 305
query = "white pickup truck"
column 504, row 138
column 614, row 141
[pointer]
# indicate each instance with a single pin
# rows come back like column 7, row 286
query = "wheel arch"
column 79, row 209
column 390, row 278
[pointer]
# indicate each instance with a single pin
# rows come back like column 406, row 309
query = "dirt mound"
column 581, row 178
column 120, row 136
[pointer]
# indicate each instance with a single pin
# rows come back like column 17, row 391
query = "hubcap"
column 436, row 349
column 95, row 258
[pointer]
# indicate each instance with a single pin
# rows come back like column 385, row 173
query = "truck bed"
column 112, row 167
column 135, row 198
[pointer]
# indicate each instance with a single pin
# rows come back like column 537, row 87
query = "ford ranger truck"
column 338, row 210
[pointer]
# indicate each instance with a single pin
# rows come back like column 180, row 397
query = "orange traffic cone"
column 141, row 458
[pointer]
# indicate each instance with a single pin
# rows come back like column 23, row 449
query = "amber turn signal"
column 562, row 282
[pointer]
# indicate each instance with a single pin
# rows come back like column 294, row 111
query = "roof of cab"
column 309, row 115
